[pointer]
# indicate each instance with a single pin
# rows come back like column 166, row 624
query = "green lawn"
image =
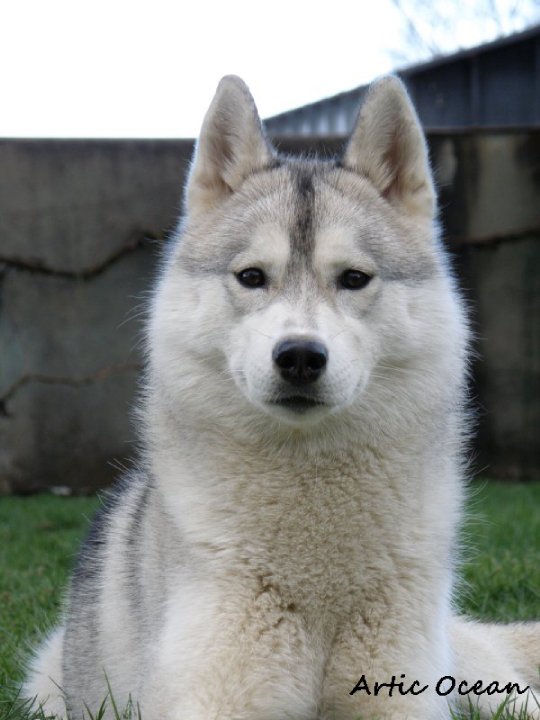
column 502, row 551
column 40, row 535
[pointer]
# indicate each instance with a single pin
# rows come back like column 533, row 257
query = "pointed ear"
column 388, row 147
column 231, row 146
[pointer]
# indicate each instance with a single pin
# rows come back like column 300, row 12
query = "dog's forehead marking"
column 301, row 284
column 302, row 221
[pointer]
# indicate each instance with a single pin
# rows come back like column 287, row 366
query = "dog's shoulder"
column 119, row 514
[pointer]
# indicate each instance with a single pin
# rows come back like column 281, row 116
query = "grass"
column 502, row 551
column 40, row 535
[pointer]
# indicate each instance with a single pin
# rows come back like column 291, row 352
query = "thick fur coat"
column 290, row 537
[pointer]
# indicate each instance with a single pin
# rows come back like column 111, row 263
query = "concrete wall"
column 491, row 215
column 80, row 230
column 81, row 224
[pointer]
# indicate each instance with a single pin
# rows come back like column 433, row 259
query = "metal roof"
column 496, row 84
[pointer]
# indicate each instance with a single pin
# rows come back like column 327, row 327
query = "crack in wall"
column 34, row 265
column 98, row 376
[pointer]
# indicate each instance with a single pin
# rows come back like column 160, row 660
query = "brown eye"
column 251, row 278
column 353, row 280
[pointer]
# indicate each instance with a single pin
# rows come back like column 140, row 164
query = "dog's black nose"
column 300, row 362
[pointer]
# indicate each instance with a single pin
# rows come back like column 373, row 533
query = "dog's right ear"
column 230, row 147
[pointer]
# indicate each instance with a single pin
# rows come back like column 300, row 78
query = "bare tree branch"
column 433, row 27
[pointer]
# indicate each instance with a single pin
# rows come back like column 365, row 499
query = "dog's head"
column 301, row 285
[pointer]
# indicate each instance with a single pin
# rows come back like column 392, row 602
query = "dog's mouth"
column 298, row 403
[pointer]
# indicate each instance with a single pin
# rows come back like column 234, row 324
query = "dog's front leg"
column 233, row 659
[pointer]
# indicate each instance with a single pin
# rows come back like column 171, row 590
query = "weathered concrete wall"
column 491, row 214
column 503, row 279
column 80, row 224
column 80, row 230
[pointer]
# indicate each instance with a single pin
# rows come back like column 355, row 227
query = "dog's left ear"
column 388, row 147
column 230, row 147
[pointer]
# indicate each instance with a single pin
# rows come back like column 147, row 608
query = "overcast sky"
column 110, row 68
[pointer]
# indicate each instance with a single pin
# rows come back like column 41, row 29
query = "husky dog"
column 286, row 549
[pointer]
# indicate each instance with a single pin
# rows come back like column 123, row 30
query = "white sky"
column 149, row 68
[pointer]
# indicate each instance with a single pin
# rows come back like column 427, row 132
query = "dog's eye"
column 251, row 278
column 353, row 279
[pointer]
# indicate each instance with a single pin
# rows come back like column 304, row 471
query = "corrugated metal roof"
column 496, row 84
